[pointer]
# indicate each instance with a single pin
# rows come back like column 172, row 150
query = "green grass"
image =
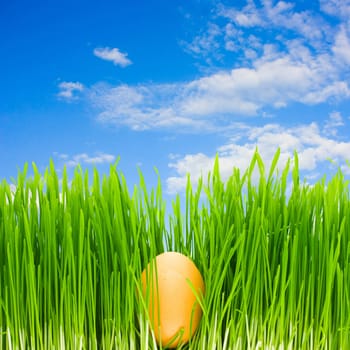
column 276, row 263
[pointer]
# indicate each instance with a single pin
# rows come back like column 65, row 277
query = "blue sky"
column 170, row 84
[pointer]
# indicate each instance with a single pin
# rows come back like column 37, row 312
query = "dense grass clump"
column 276, row 262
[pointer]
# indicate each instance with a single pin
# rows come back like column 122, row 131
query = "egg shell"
column 174, row 311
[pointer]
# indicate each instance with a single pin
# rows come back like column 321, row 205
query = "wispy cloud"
column 249, row 16
column 337, row 8
column 68, row 90
column 274, row 81
column 84, row 158
column 114, row 55
column 143, row 107
column 313, row 146
column 205, row 44
column 341, row 47
column 280, row 14
column 333, row 123
column 248, row 30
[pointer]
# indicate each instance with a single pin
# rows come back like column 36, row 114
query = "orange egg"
column 173, row 307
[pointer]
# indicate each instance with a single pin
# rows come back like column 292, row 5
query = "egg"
column 168, row 285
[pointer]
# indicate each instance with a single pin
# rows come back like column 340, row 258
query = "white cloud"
column 233, row 38
column 304, row 22
column 273, row 23
column 276, row 73
column 274, row 81
column 206, row 43
column 143, row 107
column 337, row 90
column 312, row 145
column 249, row 16
column 341, row 46
column 280, row 14
column 84, row 158
column 332, row 124
column 301, row 61
column 68, row 90
column 114, row 55
column 338, row 8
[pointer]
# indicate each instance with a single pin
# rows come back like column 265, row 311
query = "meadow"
column 274, row 253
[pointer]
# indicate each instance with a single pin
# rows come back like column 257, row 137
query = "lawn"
column 274, row 253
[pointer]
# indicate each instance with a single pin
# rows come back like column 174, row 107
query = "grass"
column 276, row 263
